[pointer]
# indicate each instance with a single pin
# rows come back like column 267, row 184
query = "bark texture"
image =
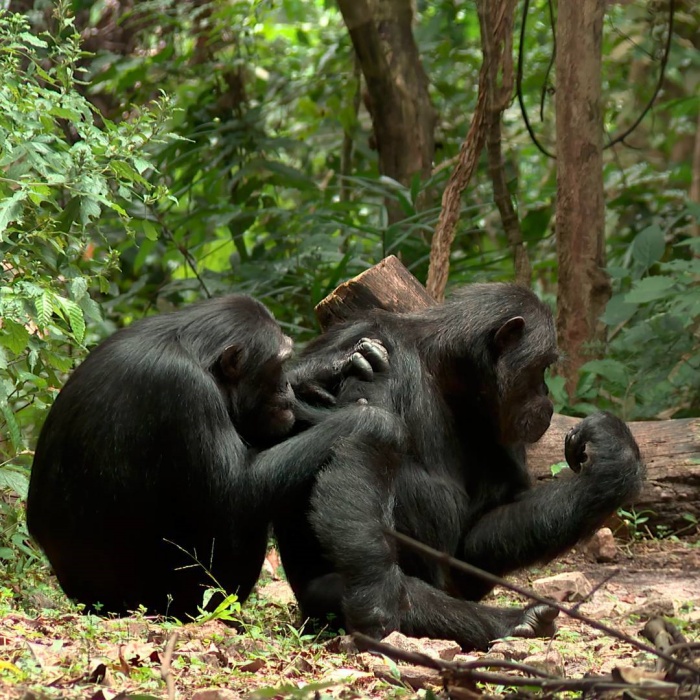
column 584, row 288
column 496, row 23
column 671, row 448
column 402, row 114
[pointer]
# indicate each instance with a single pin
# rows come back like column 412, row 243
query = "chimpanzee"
column 466, row 385
column 157, row 469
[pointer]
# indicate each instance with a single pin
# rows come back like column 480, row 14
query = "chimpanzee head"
column 524, row 347
column 490, row 345
column 245, row 351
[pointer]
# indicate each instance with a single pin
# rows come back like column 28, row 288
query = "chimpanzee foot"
column 536, row 621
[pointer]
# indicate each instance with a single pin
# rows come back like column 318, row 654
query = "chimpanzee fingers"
column 575, row 448
column 536, row 621
column 359, row 367
column 375, row 352
column 368, row 356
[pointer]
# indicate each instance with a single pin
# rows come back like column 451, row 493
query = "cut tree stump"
column 670, row 448
column 387, row 285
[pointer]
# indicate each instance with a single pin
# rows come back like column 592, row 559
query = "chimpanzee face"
column 527, row 351
column 260, row 397
column 526, row 409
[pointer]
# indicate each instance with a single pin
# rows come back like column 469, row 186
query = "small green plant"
column 558, row 467
column 635, row 522
column 228, row 610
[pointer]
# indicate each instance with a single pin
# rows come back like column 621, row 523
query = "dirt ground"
column 62, row 654
column 648, row 578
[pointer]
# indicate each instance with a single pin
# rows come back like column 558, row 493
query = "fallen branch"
column 165, row 668
column 472, row 570
column 456, row 672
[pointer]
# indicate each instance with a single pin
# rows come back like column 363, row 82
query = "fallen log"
column 671, row 448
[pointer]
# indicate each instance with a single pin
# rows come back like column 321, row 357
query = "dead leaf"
column 253, row 666
column 215, row 694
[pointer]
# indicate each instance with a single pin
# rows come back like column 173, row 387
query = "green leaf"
column 89, row 209
column 648, row 246
column 11, row 209
column 149, row 230
column 63, row 113
column 12, row 426
column 612, row 370
column 558, row 467
column 15, row 480
column 33, row 40
column 124, row 171
column 14, row 336
column 78, row 288
column 141, row 165
column 44, row 308
column 618, row 311
column 75, row 317
column 650, row 289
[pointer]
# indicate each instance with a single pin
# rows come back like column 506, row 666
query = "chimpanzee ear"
column 509, row 333
column 230, row 362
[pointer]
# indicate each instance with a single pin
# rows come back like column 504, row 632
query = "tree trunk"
column 584, row 288
column 398, row 101
column 670, row 448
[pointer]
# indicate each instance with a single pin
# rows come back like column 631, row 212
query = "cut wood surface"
column 671, row 448
column 387, row 285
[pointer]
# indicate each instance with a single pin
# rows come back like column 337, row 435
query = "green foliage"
column 653, row 319
column 264, row 99
column 67, row 174
column 229, row 609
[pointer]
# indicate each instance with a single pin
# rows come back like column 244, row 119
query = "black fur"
column 161, row 452
column 466, row 393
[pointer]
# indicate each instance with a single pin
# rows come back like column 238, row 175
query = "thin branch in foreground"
column 463, row 566
column 454, row 671
column 165, row 668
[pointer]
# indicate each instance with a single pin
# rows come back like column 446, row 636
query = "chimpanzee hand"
column 602, row 447
column 319, row 382
column 367, row 357
column 536, row 621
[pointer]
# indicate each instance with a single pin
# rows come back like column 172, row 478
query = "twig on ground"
column 453, row 672
column 165, row 670
column 570, row 612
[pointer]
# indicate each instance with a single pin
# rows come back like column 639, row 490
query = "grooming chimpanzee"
column 158, row 454
column 466, row 386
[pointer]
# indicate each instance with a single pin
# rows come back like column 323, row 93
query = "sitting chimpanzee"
column 155, row 474
column 467, row 388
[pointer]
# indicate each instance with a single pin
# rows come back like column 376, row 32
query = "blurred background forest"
column 157, row 152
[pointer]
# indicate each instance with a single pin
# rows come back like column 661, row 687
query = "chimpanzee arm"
column 279, row 470
column 352, row 510
column 547, row 520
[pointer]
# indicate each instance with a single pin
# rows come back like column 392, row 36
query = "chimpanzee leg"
column 352, row 510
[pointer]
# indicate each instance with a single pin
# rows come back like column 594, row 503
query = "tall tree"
column 402, row 114
column 584, row 287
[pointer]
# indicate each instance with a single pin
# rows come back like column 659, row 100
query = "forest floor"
column 52, row 651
